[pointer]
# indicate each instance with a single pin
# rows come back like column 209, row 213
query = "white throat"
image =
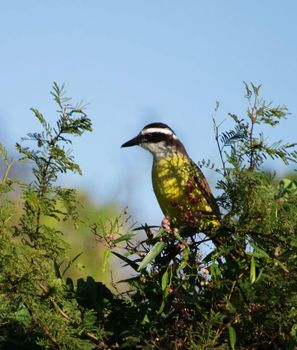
column 158, row 150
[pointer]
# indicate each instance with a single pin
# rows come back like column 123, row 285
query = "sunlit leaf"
column 165, row 280
column 253, row 270
column 124, row 237
column 105, row 259
column 232, row 337
column 155, row 251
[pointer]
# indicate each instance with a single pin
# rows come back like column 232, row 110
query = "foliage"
column 240, row 295
column 37, row 309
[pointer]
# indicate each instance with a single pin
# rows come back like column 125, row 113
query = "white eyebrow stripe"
column 157, row 130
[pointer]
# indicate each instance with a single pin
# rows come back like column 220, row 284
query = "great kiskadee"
column 179, row 185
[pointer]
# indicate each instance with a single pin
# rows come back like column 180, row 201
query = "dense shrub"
column 240, row 293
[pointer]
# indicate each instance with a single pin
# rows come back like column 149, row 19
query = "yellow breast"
column 178, row 193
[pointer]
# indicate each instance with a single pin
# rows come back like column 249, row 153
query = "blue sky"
column 141, row 61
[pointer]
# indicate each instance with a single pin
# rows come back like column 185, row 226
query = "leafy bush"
column 240, row 294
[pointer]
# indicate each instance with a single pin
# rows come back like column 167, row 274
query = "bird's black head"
column 158, row 138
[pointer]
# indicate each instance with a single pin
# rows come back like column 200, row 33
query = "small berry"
column 175, row 231
column 167, row 228
column 180, row 246
column 165, row 221
column 111, row 237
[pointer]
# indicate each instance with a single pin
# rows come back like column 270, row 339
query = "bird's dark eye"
column 148, row 137
column 155, row 137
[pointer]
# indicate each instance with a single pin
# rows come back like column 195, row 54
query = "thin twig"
column 46, row 331
column 216, row 130
column 251, row 136
column 90, row 335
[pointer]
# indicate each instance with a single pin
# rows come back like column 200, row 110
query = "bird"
column 181, row 189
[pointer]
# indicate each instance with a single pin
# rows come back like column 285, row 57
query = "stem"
column 46, row 331
column 216, row 130
column 220, row 330
column 89, row 335
column 251, row 135
column 7, row 171
column 44, row 180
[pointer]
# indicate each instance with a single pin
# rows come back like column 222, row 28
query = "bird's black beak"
column 133, row 142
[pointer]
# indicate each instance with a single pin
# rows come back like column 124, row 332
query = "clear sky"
column 137, row 62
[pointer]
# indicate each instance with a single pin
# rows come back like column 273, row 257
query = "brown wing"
column 203, row 185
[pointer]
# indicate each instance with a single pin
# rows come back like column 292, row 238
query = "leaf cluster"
column 38, row 309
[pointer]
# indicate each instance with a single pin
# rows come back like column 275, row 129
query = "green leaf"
column 260, row 275
column 125, row 237
column 247, row 91
column 22, row 315
column 253, row 270
column 179, row 238
column 165, row 280
column 215, row 270
column 232, row 337
column 293, row 332
column 145, row 320
column 287, row 186
column 281, row 265
column 258, row 252
column 159, row 233
column 105, row 259
column 161, row 308
column 40, row 117
column 155, row 251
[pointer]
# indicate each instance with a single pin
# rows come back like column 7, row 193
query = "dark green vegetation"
column 242, row 294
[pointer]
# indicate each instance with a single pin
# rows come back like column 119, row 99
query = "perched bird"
column 179, row 185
